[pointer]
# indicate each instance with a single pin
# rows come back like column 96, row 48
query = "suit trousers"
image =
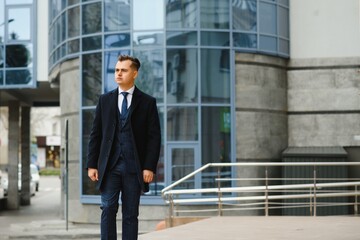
column 117, row 181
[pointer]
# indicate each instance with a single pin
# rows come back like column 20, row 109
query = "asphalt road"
column 44, row 205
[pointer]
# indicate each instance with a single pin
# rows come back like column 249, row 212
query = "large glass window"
column 148, row 39
column 19, row 55
column 19, row 24
column 216, row 141
column 151, row 74
column 73, row 22
column 214, row 14
column 182, row 75
column 91, row 43
column 182, row 123
column 91, row 18
column 215, row 39
column 117, row 15
column 181, row 14
column 19, row 77
column 267, row 18
column 3, row 22
column 215, row 76
column 244, row 15
column 144, row 18
column 180, row 38
column 91, row 78
column 117, row 40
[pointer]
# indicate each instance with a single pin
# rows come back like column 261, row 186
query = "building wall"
column 323, row 74
column 324, row 28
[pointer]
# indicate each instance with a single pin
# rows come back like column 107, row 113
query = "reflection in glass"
column 267, row 43
column 63, row 26
column 267, row 18
column 179, row 38
column 181, row 14
column 284, row 2
column 2, row 57
column 283, row 16
column 18, row 55
column 117, row 40
column 117, row 15
column 91, row 43
column 13, row 2
column 283, row 46
column 181, row 70
column 73, row 46
column 182, row 164
column 216, row 142
column 91, row 18
column 151, row 73
column 18, row 76
column 72, row 2
column 110, row 60
column 20, row 28
column 88, row 187
column 215, row 76
column 214, row 14
column 148, row 39
column 244, row 15
column 73, row 22
column 1, row 77
column 245, row 40
column 182, row 124
column 2, row 22
column 91, row 78
column 143, row 16
column 215, row 39
column 63, row 50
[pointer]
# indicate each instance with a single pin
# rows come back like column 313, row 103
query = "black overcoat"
column 145, row 127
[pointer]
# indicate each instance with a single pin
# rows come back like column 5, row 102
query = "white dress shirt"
column 129, row 97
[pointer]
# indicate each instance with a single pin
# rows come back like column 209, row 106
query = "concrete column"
column 14, row 129
column 261, row 115
column 25, row 156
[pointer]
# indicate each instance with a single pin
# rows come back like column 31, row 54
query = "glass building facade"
column 17, row 43
column 187, row 50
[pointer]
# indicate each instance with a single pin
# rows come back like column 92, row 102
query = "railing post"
column 171, row 210
column 266, row 193
column 356, row 201
column 219, row 193
column 314, row 190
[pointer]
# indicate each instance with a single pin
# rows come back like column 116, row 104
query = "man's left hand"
column 148, row 176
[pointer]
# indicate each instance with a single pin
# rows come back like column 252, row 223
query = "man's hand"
column 93, row 174
column 148, row 176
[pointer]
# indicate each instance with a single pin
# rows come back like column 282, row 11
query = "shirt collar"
column 130, row 91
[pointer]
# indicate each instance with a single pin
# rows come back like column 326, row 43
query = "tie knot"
column 124, row 94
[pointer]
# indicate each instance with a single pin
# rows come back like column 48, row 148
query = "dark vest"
column 123, row 148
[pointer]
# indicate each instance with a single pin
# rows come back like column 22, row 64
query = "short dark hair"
column 134, row 61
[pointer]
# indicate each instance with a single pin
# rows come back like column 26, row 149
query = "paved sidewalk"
column 269, row 228
column 224, row 228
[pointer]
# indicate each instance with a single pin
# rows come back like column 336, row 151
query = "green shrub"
column 49, row 172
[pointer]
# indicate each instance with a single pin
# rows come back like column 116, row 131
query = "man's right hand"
column 93, row 174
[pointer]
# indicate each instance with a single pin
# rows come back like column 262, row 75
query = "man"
column 124, row 149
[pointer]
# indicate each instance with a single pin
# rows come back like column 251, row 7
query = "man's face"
column 125, row 75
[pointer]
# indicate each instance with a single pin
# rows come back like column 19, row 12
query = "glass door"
column 183, row 159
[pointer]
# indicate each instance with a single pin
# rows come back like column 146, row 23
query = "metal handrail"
column 171, row 195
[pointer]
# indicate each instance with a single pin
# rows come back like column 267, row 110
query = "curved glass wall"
column 186, row 49
column 17, row 46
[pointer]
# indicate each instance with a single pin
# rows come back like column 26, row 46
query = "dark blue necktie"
column 124, row 104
